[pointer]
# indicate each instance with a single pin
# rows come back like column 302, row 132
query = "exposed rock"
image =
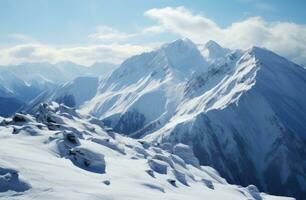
column 208, row 183
column 163, row 158
column 254, row 192
column 172, row 182
column 158, row 166
column 186, row 153
column 181, row 177
column 87, row 160
column 150, row 172
column 107, row 182
column 9, row 180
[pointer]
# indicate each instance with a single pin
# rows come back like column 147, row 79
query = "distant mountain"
column 41, row 74
column 242, row 111
column 25, row 82
column 9, row 105
column 73, row 93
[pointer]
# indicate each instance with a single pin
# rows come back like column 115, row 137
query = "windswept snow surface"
column 60, row 154
column 242, row 111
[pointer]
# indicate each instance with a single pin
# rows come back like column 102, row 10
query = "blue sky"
column 141, row 25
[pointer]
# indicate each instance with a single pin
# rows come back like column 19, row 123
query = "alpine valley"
column 169, row 123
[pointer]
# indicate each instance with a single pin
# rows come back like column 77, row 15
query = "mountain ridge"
column 224, row 96
column 224, row 105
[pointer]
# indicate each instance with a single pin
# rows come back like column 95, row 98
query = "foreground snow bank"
column 76, row 159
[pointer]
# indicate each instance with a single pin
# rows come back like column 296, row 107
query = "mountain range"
column 241, row 112
column 20, row 84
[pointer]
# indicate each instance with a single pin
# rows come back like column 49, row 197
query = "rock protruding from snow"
column 180, row 176
column 71, row 137
column 163, row 158
column 186, row 153
column 208, row 183
column 82, row 156
column 254, row 192
column 87, row 159
column 9, row 180
column 158, row 166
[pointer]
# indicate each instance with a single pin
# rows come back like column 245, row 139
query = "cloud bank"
column 85, row 55
column 285, row 38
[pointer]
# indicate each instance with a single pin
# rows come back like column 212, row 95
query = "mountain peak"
column 184, row 55
column 212, row 44
column 183, row 43
column 212, row 51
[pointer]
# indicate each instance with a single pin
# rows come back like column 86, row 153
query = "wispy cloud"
column 288, row 39
column 86, row 55
column 109, row 34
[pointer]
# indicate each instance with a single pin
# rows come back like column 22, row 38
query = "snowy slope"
column 59, row 154
column 224, row 106
column 260, row 103
column 156, row 77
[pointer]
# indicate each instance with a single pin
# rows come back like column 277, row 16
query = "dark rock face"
column 67, row 100
column 9, row 106
column 230, row 152
column 130, row 122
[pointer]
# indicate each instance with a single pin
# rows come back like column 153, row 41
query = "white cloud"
column 153, row 29
column 109, row 34
column 288, row 39
column 86, row 55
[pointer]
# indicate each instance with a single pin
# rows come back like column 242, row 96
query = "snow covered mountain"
column 20, row 84
column 40, row 74
column 213, row 52
column 158, row 77
column 59, row 154
column 73, row 93
column 242, row 112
